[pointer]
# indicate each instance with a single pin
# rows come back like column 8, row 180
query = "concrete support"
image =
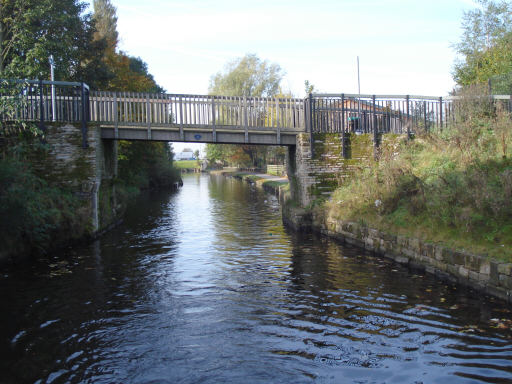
column 106, row 197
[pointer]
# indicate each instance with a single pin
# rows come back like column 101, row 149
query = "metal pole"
column 52, row 78
column 375, row 130
column 311, row 139
column 84, row 117
column 359, row 99
column 441, row 113
column 343, row 151
column 407, row 117
column 425, row 115
column 41, row 107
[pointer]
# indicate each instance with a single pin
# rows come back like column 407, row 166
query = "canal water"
column 206, row 286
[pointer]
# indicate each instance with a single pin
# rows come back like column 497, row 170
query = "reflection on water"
column 206, row 286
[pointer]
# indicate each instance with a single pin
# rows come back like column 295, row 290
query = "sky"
column 404, row 46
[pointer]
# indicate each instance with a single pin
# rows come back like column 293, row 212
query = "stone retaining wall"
column 489, row 276
column 310, row 178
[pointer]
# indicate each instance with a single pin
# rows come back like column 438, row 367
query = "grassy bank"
column 186, row 164
column 272, row 184
column 452, row 186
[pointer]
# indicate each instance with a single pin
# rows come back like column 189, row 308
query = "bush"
column 144, row 165
column 33, row 213
column 453, row 186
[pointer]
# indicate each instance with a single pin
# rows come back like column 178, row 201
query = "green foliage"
column 486, row 44
column 10, row 125
column 105, row 21
column 34, row 29
column 186, row 164
column 237, row 155
column 247, row 76
column 251, row 77
column 308, row 87
column 277, row 184
column 34, row 213
column 146, row 164
column 252, row 178
column 142, row 165
column 453, row 186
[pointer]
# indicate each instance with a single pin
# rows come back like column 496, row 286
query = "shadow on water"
column 206, row 286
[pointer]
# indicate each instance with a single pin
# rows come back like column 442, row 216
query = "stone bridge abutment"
column 89, row 172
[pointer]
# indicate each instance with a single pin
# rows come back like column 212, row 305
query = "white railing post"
column 116, row 119
column 214, row 131
column 182, row 135
column 148, row 116
column 246, row 140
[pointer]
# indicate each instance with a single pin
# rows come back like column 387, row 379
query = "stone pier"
column 88, row 172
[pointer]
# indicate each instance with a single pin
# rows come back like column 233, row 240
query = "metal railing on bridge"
column 384, row 113
column 378, row 114
column 43, row 101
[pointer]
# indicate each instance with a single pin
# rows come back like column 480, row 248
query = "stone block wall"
column 88, row 172
column 311, row 178
column 490, row 276
column 318, row 177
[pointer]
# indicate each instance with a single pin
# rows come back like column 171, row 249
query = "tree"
column 217, row 153
column 486, row 44
column 32, row 30
column 142, row 164
column 105, row 20
column 251, row 77
column 247, row 76
column 130, row 74
column 308, row 87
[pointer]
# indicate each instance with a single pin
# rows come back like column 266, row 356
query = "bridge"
column 197, row 118
column 223, row 119
column 326, row 134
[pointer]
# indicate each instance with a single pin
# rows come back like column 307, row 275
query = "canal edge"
column 480, row 273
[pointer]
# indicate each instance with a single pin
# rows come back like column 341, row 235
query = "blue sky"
column 405, row 46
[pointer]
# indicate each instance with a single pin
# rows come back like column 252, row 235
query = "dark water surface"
column 205, row 286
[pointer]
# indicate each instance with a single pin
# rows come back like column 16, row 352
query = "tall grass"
column 452, row 186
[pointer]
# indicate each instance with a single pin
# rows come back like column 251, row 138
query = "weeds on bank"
column 453, row 186
column 277, row 184
column 34, row 214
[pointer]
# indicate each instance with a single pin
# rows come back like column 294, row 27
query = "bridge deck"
column 198, row 118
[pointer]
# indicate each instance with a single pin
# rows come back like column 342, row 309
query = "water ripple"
column 206, row 286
